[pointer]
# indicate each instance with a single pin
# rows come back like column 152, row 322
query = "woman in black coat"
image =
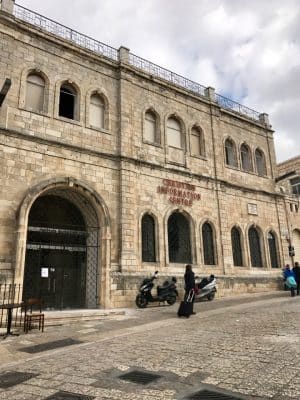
column 189, row 280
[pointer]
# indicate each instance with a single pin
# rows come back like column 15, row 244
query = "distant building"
column 288, row 179
column 113, row 167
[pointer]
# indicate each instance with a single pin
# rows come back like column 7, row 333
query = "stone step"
column 73, row 316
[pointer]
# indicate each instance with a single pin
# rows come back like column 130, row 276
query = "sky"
column 248, row 50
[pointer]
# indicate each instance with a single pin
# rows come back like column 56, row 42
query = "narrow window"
column 35, row 93
column 260, row 162
column 97, row 109
column 150, row 134
column 295, row 184
column 148, row 239
column 273, row 250
column 174, row 133
column 236, row 247
column 255, row 248
column 208, row 244
column 179, row 239
column 230, row 153
column 246, row 158
column 197, row 145
column 67, row 101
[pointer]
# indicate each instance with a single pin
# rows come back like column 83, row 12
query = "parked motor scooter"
column 165, row 293
column 206, row 288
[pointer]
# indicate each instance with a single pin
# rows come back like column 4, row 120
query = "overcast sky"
column 248, row 50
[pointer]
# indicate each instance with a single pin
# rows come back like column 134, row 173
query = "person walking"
column 189, row 281
column 289, row 278
column 296, row 271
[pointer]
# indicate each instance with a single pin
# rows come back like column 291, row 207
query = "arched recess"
column 256, row 248
column 148, row 233
column 95, row 219
column 179, row 238
column 296, row 243
column 237, row 246
column 273, row 249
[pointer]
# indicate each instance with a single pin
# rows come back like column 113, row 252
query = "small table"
column 9, row 307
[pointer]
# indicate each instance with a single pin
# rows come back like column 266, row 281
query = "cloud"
column 248, row 50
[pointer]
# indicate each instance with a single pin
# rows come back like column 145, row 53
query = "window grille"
column 150, row 127
column 208, row 244
column 273, row 250
column 197, row 143
column 174, row 133
column 35, row 93
column 230, row 153
column 260, row 162
column 236, row 247
column 179, row 239
column 97, row 108
column 148, row 239
column 246, row 158
column 255, row 248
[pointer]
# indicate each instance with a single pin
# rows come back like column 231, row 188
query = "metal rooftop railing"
column 102, row 49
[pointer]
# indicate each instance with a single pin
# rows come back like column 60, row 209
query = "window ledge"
column 32, row 111
column 152, row 143
column 232, row 167
column 199, row 157
column 102, row 130
column 69, row 120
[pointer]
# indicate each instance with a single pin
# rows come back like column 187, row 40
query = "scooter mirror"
column 156, row 272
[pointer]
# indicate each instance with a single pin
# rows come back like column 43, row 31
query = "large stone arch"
column 95, row 213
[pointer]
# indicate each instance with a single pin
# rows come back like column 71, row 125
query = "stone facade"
column 288, row 181
column 115, row 176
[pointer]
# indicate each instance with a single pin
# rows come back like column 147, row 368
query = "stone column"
column 210, row 93
column 7, row 6
column 123, row 54
column 264, row 119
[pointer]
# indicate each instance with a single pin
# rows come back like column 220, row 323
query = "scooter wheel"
column 140, row 301
column 171, row 300
column 210, row 296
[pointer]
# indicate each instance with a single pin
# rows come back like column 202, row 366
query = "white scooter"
column 206, row 288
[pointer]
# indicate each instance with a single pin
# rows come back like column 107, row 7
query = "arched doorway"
column 61, row 262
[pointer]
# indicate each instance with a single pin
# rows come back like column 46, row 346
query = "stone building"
column 288, row 180
column 113, row 167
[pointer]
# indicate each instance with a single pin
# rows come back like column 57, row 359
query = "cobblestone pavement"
column 248, row 348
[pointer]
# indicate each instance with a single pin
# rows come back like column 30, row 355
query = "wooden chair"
column 33, row 314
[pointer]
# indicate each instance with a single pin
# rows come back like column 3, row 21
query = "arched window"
column 230, row 153
column 68, row 102
column 97, row 110
column 179, row 239
column 246, row 158
column 255, row 247
column 35, row 92
column 197, row 142
column 150, row 132
column 273, row 250
column 260, row 162
column 174, row 135
column 148, row 239
column 236, row 244
column 208, row 244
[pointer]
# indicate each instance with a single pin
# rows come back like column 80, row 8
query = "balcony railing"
column 62, row 31
column 231, row 105
column 102, row 49
column 156, row 70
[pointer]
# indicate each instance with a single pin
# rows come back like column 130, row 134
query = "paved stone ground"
column 246, row 346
